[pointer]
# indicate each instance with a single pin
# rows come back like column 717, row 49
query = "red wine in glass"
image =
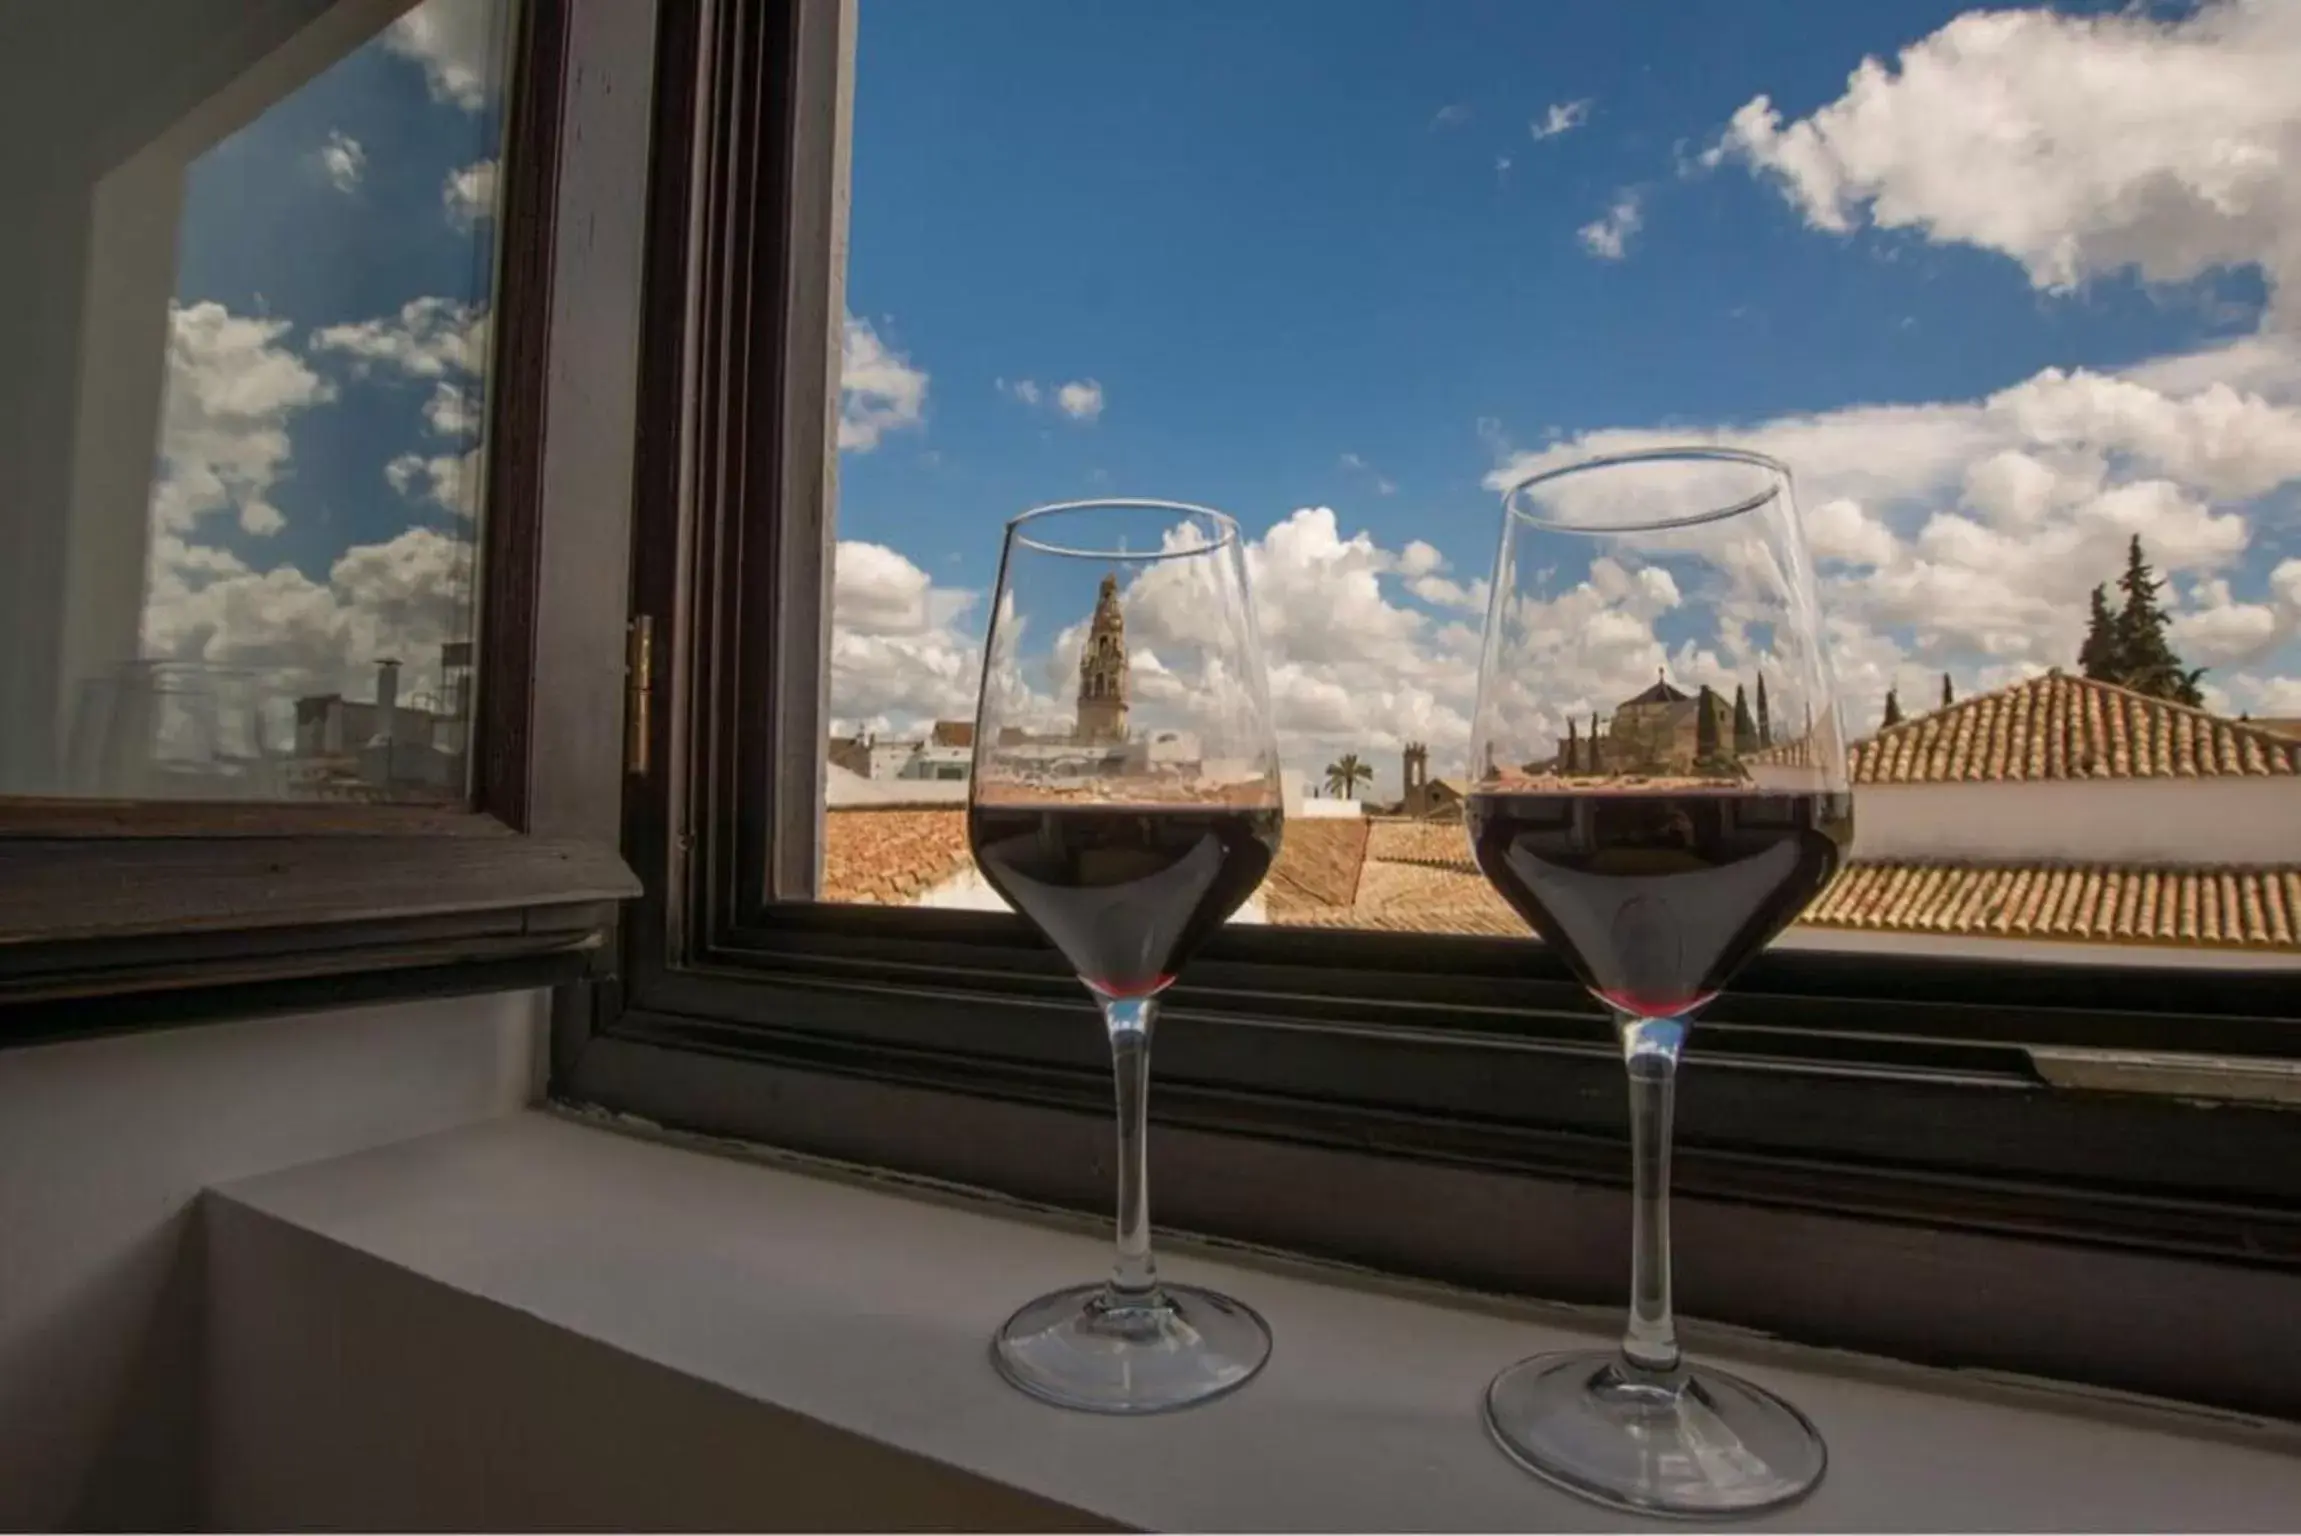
column 1125, row 892
column 1655, row 898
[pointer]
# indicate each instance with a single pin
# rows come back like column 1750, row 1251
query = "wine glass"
column 1125, row 799
column 1659, row 789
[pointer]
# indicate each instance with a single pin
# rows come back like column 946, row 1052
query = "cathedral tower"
column 1103, row 670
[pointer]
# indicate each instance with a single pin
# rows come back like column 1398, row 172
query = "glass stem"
column 1650, row 1343
column 1134, row 1277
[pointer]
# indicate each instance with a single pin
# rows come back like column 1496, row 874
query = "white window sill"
column 860, row 1315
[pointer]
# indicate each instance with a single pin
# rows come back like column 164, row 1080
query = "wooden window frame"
column 1875, row 1151
column 115, row 914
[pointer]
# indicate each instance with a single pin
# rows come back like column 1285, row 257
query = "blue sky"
column 1252, row 225
column 1282, row 239
column 266, row 232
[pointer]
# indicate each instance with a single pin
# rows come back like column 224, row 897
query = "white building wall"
column 2136, row 821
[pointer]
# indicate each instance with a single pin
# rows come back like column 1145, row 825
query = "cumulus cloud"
column 902, row 654
column 1562, row 117
column 1608, row 237
column 426, row 338
column 1080, row 400
column 880, row 391
column 342, row 161
column 468, row 195
column 454, row 41
column 232, row 389
column 2075, row 145
column 1452, row 115
column 450, row 481
column 1966, row 535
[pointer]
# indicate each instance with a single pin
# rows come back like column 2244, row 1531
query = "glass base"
column 1716, row 1446
column 1086, row 1348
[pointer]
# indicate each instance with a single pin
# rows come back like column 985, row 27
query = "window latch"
column 639, row 694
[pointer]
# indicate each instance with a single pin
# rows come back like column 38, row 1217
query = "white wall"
column 103, row 1146
column 2143, row 821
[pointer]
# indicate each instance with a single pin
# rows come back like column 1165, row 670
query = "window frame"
column 1871, row 1152
column 106, row 905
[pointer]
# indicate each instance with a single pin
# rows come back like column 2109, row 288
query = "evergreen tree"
column 1745, row 727
column 1947, row 698
column 1765, row 723
column 1707, row 708
column 1573, row 747
column 2144, row 652
column 2098, row 657
column 1893, row 710
column 1596, row 754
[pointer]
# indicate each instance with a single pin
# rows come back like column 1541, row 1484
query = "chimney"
column 387, row 700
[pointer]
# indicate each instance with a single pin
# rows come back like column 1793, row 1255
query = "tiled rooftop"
column 2225, row 908
column 888, row 857
column 2064, row 727
column 1417, row 877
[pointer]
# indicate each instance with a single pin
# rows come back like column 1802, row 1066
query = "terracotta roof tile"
column 1318, row 863
column 2064, row 727
column 1441, row 844
column 888, row 857
column 2226, row 908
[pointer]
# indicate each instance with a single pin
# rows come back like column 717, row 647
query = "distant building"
column 953, row 733
column 389, row 742
column 1102, row 709
column 1424, row 797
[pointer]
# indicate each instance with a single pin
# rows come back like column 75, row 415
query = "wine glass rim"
column 1692, row 452
column 1225, row 525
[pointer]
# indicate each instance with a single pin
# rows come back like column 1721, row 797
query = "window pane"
column 248, row 287
column 2016, row 303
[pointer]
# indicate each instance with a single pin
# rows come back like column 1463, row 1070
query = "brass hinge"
column 638, row 694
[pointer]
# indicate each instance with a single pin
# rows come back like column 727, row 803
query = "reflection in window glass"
column 2016, row 302
column 258, row 284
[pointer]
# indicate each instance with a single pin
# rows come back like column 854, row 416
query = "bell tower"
column 1103, row 670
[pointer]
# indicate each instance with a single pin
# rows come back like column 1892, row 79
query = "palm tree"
column 1344, row 777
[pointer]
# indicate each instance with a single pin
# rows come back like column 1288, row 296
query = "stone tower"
column 1103, row 670
column 1414, row 778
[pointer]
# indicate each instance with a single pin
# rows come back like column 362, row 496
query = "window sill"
column 846, row 1307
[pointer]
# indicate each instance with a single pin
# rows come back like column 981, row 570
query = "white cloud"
column 899, row 656
column 449, row 481
column 1965, row 536
column 428, row 338
column 2076, row 146
column 342, row 161
column 451, row 410
column 1608, row 238
column 405, row 597
column 455, row 43
column 1452, row 115
column 1080, row 400
column 1563, row 117
column 468, row 195
column 880, row 391
column 232, row 388
column 1382, row 483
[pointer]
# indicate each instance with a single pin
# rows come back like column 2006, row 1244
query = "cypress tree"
column 1893, row 710
column 1947, row 698
column 1573, row 747
column 1765, row 723
column 2144, row 650
column 1706, row 710
column 1745, row 726
column 2098, row 657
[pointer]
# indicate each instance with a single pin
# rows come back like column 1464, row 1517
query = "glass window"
column 243, row 395
column 2010, row 293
